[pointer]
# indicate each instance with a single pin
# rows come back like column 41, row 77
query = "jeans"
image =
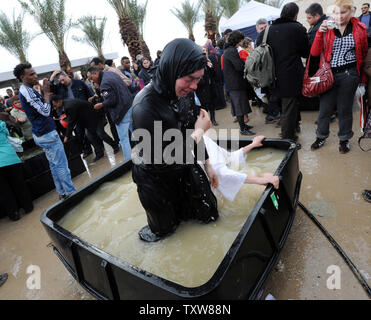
column 340, row 96
column 54, row 151
column 123, row 132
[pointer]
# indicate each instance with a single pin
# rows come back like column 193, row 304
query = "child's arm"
column 267, row 178
column 256, row 143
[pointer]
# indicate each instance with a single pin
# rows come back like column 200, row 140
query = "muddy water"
column 111, row 218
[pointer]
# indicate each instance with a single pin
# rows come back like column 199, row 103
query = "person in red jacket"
column 346, row 50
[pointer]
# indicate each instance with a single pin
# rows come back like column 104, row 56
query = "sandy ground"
column 331, row 181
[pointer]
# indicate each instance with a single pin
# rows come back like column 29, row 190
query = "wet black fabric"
column 171, row 193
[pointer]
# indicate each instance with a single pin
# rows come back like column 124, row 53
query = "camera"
column 331, row 24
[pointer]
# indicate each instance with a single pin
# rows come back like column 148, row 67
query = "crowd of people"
column 125, row 97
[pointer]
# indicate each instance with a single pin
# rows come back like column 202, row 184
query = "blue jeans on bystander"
column 123, row 132
column 54, row 151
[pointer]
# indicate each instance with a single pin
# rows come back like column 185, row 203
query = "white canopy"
column 248, row 14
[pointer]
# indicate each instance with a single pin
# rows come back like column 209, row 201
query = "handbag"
column 323, row 79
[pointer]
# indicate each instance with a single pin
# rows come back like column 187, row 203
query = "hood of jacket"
column 180, row 58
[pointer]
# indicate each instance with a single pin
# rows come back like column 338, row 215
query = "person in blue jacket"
column 38, row 111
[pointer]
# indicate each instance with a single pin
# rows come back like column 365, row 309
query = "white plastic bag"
column 16, row 143
column 357, row 103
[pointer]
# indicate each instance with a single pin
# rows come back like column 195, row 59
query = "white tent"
column 245, row 18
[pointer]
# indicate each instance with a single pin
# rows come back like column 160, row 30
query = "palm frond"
column 231, row 6
column 93, row 32
column 137, row 13
column 52, row 19
column 13, row 37
column 188, row 14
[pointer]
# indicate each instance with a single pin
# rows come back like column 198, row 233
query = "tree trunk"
column 130, row 37
column 101, row 56
column 211, row 27
column 65, row 63
column 192, row 37
column 145, row 50
column 22, row 57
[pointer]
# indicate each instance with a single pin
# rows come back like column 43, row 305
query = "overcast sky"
column 161, row 26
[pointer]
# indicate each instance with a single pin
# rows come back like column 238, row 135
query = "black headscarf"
column 180, row 58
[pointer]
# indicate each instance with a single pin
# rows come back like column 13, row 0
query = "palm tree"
column 231, row 6
column 188, row 15
column 213, row 13
column 137, row 14
column 51, row 17
column 13, row 37
column 128, row 29
column 93, row 33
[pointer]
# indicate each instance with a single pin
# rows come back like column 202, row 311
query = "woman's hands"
column 202, row 124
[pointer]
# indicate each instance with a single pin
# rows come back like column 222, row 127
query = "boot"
column 212, row 116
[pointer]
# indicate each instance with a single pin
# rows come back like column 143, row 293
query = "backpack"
column 259, row 66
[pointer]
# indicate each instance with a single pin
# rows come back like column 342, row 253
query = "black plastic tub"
column 241, row 273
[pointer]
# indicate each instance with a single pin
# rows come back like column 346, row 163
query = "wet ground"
column 331, row 188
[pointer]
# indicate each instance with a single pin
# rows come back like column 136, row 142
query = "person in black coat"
column 234, row 80
column 215, row 59
column 172, row 187
column 315, row 18
column 65, row 87
column 81, row 113
column 206, row 90
column 144, row 73
column 289, row 42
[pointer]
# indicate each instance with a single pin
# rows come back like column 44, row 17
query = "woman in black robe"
column 172, row 191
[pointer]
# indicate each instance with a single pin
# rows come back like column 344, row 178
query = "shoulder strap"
column 265, row 35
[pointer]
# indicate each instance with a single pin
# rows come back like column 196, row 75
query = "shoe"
column 367, row 195
column 298, row 146
column 248, row 127
column 97, row 157
column 271, row 119
column 86, row 154
column 344, row 147
column 317, row 144
column 246, row 132
column 3, row 278
column 214, row 123
column 116, row 149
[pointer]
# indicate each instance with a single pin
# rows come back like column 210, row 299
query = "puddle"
column 322, row 208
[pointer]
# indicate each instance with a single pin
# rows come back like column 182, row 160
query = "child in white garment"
column 231, row 181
